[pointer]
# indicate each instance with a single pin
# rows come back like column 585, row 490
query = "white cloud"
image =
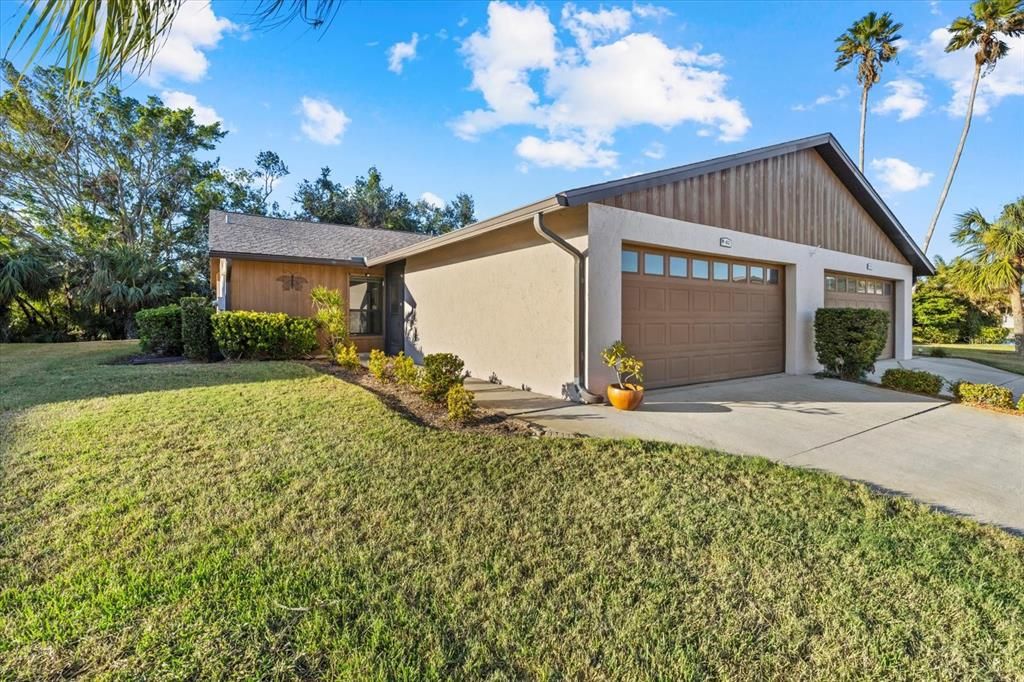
column 195, row 29
column 570, row 154
column 432, row 199
column 899, row 176
column 655, row 150
column 841, row 92
column 321, row 122
column 651, row 11
column 957, row 70
column 906, row 96
column 462, row 22
column 933, row 7
column 589, row 27
column 399, row 53
column 175, row 99
column 591, row 90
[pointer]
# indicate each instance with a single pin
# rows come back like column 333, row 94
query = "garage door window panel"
column 654, row 264
column 700, row 268
column 677, row 266
column 630, row 261
column 721, row 271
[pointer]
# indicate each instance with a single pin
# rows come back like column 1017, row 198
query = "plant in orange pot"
column 628, row 393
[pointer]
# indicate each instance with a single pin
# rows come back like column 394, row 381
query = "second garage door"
column 848, row 291
column 694, row 318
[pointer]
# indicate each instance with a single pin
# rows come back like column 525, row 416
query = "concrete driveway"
column 961, row 459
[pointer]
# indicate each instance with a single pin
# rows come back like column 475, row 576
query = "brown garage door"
column 693, row 318
column 848, row 291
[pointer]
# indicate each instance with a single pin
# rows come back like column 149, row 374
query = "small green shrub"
column 405, row 370
column 331, row 318
column 912, row 380
column 347, row 357
column 1020, row 403
column 849, row 340
column 992, row 335
column 160, row 329
column 989, row 395
column 939, row 352
column 380, row 366
column 249, row 334
column 441, row 371
column 196, row 328
column 461, row 404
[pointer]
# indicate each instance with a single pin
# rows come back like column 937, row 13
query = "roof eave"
column 355, row 261
column 468, row 232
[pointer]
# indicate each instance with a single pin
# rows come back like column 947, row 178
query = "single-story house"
column 708, row 271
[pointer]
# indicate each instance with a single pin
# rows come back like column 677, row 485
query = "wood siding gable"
column 794, row 197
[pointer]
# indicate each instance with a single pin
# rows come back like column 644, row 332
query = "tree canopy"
column 368, row 202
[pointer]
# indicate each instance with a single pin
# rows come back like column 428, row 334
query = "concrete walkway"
column 960, row 459
column 953, row 369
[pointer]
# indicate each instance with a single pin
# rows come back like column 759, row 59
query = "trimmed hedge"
column 160, row 329
column 441, row 371
column 912, row 380
column 248, row 334
column 849, row 340
column 196, row 328
column 986, row 394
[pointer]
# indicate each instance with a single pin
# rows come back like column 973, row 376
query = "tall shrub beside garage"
column 196, row 328
column 849, row 340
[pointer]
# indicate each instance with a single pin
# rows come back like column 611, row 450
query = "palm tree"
column 994, row 258
column 871, row 41
column 989, row 19
column 121, row 35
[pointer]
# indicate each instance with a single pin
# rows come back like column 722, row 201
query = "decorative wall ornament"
column 292, row 282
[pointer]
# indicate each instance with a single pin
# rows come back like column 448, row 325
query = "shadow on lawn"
column 40, row 374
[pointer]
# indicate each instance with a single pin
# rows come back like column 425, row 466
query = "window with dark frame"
column 739, row 272
column 756, row 274
column 366, row 310
column 700, row 268
column 720, row 271
column 630, row 261
column 773, row 275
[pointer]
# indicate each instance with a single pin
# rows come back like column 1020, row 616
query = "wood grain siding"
column 274, row 287
column 795, row 197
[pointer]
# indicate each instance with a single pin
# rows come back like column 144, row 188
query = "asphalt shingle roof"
column 238, row 233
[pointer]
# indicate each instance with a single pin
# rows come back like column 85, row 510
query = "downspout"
column 577, row 391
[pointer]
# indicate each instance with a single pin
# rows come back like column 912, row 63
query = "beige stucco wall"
column 502, row 301
column 805, row 272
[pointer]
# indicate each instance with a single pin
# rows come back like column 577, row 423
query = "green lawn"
column 260, row 520
column 994, row 355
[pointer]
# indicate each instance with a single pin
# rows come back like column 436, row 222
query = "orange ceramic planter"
column 625, row 398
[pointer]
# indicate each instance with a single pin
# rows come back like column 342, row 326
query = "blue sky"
column 513, row 103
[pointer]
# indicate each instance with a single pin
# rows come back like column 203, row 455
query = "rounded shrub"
column 912, row 380
column 988, row 395
column 160, row 329
column 849, row 340
column 380, row 365
column 405, row 370
column 441, row 371
column 347, row 357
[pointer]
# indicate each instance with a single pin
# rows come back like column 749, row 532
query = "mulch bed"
column 414, row 407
